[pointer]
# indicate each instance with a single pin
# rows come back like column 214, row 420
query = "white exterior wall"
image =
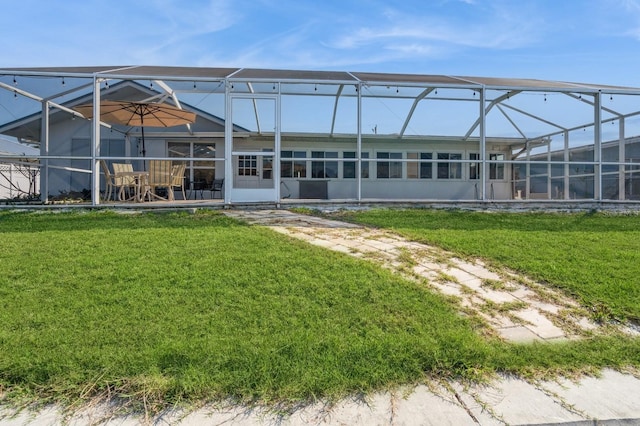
column 401, row 188
column 71, row 137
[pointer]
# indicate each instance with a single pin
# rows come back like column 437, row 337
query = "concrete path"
column 513, row 307
column 612, row 399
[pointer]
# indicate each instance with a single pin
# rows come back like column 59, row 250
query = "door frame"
column 249, row 195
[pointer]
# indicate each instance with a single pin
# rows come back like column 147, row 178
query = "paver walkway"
column 516, row 308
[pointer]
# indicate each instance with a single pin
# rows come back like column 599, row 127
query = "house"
column 276, row 135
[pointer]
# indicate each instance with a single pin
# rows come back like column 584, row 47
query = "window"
column 474, row 166
column 364, row 169
column 412, row 166
column 267, row 164
column 324, row 169
column 496, row 170
column 291, row 165
column 449, row 170
column 349, row 167
column 196, row 171
column 389, row 169
column 247, row 165
column 417, row 169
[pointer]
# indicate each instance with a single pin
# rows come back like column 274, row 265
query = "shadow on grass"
column 26, row 222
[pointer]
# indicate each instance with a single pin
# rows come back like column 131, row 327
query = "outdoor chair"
column 109, row 180
column 160, row 177
column 216, row 186
column 127, row 183
column 177, row 178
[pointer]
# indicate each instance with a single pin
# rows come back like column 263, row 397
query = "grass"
column 594, row 257
column 160, row 309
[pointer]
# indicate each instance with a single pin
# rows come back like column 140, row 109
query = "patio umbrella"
column 129, row 113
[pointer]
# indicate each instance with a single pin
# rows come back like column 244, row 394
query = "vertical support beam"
column 483, row 146
column 95, row 144
column 566, row 165
column 527, row 185
column 597, row 145
column 276, row 148
column 549, row 186
column 359, row 144
column 44, row 150
column 228, row 143
column 622, row 189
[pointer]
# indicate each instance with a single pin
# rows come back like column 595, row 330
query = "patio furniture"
column 108, row 179
column 124, row 179
column 177, row 177
column 160, row 176
column 197, row 186
column 216, row 186
column 141, row 188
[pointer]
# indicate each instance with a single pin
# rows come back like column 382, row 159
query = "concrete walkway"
column 612, row 399
column 513, row 307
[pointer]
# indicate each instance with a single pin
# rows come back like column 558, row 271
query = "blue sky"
column 573, row 40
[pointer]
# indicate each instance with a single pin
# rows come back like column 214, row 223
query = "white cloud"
column 114, row 31
column 633, row 7
column 412, row 34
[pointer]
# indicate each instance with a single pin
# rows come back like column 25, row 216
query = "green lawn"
column 593, row 256
column 164, row 308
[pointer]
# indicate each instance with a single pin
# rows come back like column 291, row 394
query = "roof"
column 343, row 77
column 8, row 147
column 28, row 127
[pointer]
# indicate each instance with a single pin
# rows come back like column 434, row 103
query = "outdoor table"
column 141, row 187
column 196, row 186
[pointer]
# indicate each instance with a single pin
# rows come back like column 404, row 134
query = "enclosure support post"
column 483, row 146
column 597, row 148
column 277, row 144
column 527, row 185
column 622, row 189
column 566, row 165
column 228, row 143
column 549, row 186
column 359, row 145
column 95, row 144
column 44, row 138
